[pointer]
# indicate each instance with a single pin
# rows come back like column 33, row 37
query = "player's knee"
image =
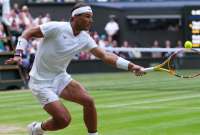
column 89, row 102
column 63, row 121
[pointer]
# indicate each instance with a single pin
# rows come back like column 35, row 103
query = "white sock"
column 93, row 133
column 39, row 128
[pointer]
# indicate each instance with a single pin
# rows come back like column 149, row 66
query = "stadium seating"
column 10, row 75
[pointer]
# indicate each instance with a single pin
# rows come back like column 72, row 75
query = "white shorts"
column 47, row 91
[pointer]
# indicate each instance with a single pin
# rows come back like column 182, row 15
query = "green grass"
column 155, row 104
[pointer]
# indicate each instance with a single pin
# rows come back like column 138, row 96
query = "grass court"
column 155, row 104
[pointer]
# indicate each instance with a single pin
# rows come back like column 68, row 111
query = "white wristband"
column 21, row 44
column 122, row 63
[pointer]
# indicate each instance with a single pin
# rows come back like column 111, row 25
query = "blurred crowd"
column 20, row 19
column 54, row 1
column 11, row 27
column 167, row 44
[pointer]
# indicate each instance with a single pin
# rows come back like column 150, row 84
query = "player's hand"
column 14, row 60
column 138, row 70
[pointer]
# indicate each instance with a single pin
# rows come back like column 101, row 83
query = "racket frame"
column 171, row 70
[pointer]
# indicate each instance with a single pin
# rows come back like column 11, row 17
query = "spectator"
column 114, row 43
column 156, row 54
column 3, row 38
column 125, row 54
column 5, row 11
column 1, row 46
column 109, row 42
column 84, row 55
column 167, row 46
column 95, row 36
column 180, row 55
column 112, row 28
column 16, row 8
column 26, row 17
column 180, row 45
column 14, row 21
column 102, row 41
column 7, row 48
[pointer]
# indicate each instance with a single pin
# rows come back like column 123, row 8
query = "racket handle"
column 149, row 69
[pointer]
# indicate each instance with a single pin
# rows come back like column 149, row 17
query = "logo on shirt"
column 64, row 36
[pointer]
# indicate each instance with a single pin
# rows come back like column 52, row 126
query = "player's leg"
column 60, row 116
column 75, row 92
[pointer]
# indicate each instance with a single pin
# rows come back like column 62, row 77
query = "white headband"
column 82, row 10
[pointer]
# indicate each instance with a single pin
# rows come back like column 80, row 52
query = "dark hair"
column 78, row 5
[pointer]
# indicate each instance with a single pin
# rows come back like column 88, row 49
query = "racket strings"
column 185, row 64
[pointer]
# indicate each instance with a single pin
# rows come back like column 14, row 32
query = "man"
column 112, row 29
column 48, row 77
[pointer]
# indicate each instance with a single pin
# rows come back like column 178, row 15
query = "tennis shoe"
column 32, row 129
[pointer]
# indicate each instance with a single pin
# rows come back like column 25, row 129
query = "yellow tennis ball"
column 188, row 44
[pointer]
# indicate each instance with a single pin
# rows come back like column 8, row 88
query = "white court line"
column 10, row 129
column 145, row 95
column 104, row 107
column 112, row 105
column 146, row 102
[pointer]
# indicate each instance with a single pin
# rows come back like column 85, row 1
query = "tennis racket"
column 184, row 63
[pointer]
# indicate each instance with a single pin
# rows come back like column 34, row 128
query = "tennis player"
column 49, row 80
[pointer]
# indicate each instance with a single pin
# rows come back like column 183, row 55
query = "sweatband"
column 21, row 44
column 82, row 10
column 122, row 63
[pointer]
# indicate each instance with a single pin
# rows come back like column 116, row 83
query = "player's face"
column 84, row 21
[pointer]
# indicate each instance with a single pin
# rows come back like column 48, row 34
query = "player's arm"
column 114, row 60
column 23, row 42
column 32, row 32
